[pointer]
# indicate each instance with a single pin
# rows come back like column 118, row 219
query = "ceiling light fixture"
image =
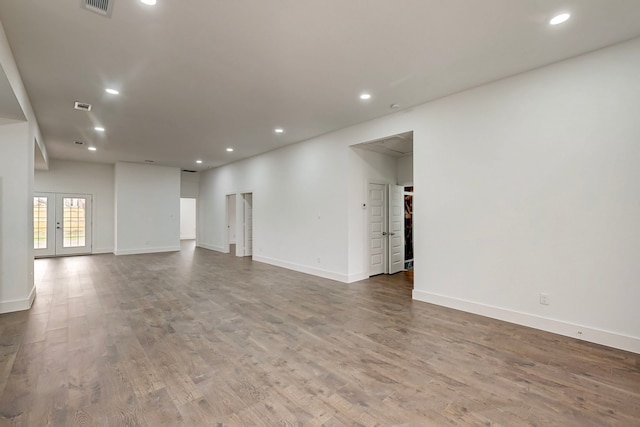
column 278, row 130
column 149, row 2
column 92, row 149
column 112, row 91
column 230, row 149
column 99, row 129
column 559, row 19
column 394, row 106
column 198, row 161
column 365, row 96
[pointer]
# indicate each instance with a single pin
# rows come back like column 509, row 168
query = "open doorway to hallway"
column 389, row 206
column 188, row 209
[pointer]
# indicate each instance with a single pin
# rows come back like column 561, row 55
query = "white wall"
column 86, row 178
column 526, row 185
column 299, row 198
column 532, row 185
column 147, row 206
column 187, row 218
column 404, row 167
column 16, row 218
column 17, row 289
column 189, row 184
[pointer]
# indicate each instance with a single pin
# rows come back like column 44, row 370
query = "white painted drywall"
column 17, row 142
column 404, row 167
column 187, row 218
column 532, row 185
column 87, row 178
column 525, row 185
column 147, row 206
column 299, row 199
column 189, row 184
column 16, row 224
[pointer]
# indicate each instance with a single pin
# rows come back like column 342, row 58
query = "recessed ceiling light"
column 365, row 96
column 112, row 91
column 92, row 148
column 229, row 149
column 99, row 129
column 198, row 161
column 559, row 19
column 394, row 106
column 149, row 2
column 278, row 130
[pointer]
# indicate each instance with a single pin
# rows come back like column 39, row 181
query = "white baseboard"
column 147, row 250
column 18, row 305
column 594, row 335
column 97, row 251
column 356, row 277
column 188, row 237
column 303, row 268
column 212, row 247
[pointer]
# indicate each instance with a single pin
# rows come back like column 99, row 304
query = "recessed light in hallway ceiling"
column 230, row 149
column 559, row 19
column 149, row 2
column 112, row 91
column 365, row 96
column 92, row 149
column 99, row 129
column 198, row 161
column 278, row 130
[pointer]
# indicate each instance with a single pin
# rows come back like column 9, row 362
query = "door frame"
column 54, row 229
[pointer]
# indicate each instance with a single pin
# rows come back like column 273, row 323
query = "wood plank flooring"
column 198, row 338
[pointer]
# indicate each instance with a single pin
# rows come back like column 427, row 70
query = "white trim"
column 356, row 277
column 585, row 333
column 98, row 251
column 148, row 250
column 212, row 247
column 340, row 277
column 18, row 305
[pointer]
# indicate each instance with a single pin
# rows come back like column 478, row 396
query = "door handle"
column 384, row 233
column 392, row 234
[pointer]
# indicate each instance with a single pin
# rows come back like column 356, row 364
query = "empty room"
column 321, row 213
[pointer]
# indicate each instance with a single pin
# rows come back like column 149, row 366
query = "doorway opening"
column 61, row 224
column 188, row 215
column 247, row 220
column 231, row 223
column 388, row 164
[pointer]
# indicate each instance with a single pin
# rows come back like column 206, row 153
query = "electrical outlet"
column 544, row 299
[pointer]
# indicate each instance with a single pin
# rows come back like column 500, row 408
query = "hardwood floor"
column 198, row 338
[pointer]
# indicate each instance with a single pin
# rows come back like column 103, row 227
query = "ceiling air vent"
column 102, row 7
column 190, row 171
column 82, row 106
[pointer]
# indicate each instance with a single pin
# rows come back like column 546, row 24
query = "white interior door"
column 396, row 229
column 248, row 223
column 377, row 229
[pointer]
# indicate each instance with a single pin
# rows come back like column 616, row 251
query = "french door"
column 61, row 224
column 386, row 229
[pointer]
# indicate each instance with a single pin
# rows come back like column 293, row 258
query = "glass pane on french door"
column 73, row 224
column 44, row 239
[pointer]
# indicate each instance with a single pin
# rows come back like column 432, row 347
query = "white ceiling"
column 197, row 76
